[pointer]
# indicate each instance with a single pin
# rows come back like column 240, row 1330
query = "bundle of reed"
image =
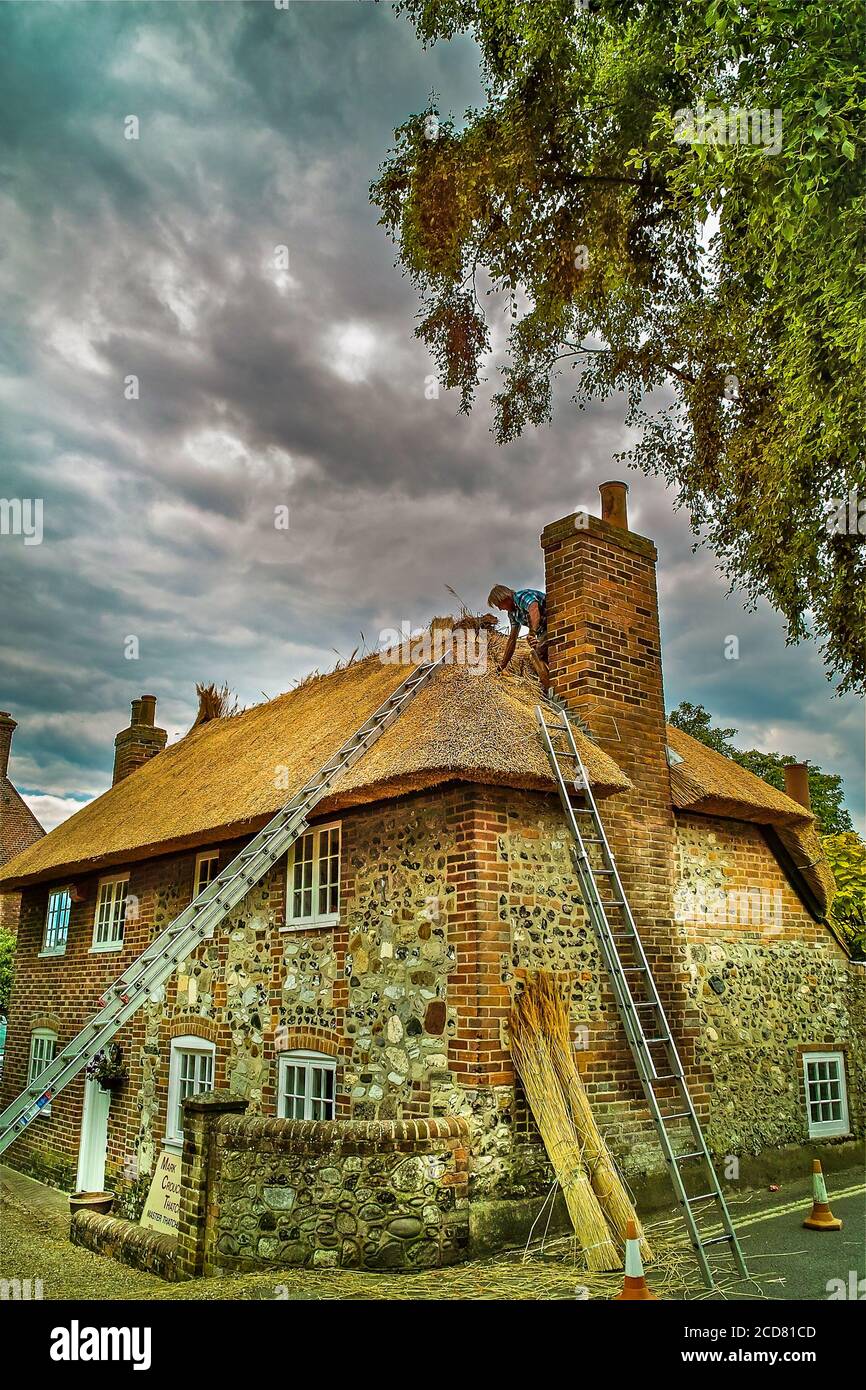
column 551, row 1112
column 550, row 1011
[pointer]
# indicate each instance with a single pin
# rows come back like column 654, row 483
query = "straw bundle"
column 550, row 1012
column 550, row 1109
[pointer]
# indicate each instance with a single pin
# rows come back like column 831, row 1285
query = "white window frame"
column 37, row 1036
column 314, row 918
column 210, row 856
column 308, row 1063
column 56, row 948
column 113, row 881
column 186, row 1046
column 832, row 1128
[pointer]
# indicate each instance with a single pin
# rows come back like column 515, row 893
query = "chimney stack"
column 605, row 665
column 797, row 783
column 7, row 728
column 142, row 740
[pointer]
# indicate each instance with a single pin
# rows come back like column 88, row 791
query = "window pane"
column 57, row 920
column 302, row 896
column 329, row 871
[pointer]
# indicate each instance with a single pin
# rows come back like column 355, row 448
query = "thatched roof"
column 708, row 782
column 231, row 772
column 228, row 775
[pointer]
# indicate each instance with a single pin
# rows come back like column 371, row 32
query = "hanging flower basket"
column 107, row 1068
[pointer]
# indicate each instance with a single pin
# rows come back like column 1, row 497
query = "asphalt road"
column 795, row 1263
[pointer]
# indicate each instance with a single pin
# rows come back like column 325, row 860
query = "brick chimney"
column 797, row 783
column 142, row 740
column 7, row 728
column 605, row 665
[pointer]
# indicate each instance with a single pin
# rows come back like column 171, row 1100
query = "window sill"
column 311, row 924
column 52, row 951
column 173, row 1143
column 106, row 946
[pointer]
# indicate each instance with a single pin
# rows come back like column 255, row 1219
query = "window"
column 43, row 1045
column 826, row 1100
column 56, row 922
column 314, row 877
column 205, row 871
column 110, row 913
column 190, row 1073
column 306, row 1086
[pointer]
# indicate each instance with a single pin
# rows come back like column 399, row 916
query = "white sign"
column 162, row 1208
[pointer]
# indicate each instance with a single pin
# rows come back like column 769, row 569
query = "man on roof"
column 525, row 608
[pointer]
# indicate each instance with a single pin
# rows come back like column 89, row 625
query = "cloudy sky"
column 262, row 387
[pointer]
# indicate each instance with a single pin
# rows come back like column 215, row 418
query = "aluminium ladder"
column 640, row 1008
column 199, row 919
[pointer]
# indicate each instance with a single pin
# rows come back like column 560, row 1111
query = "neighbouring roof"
column 18, row 825
column 708, row 782
column 229, row 774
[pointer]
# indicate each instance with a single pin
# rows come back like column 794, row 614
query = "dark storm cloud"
column 261, row 128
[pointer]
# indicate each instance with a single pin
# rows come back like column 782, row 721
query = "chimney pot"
column 797, row 783
column 148, row 710
column 614, row 508
column 7, row 728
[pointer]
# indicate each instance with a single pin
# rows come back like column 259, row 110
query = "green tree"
column 826, row 790
column 846, row 855
column 626, row 245
column 7, row 968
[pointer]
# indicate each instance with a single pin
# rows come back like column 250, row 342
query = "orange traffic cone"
column 635, row 1286
column 821, row 1217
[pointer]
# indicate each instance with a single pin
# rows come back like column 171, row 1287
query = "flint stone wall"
column 355, row 1194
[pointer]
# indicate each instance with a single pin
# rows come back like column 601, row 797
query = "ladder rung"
column 672, row 1076
column 635, row 970
column 680, row 1115
column 653, row 1041
column 704, row 1197
column 681, row 1158
column 716, row 1240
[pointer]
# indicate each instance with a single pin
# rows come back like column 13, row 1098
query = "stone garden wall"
column 259, row 1193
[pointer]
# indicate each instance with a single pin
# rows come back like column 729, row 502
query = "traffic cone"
column 635, row 1286
column 821, row 1217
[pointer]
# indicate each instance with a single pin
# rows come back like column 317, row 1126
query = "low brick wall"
column 127, row 1242
column 362, row 1194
